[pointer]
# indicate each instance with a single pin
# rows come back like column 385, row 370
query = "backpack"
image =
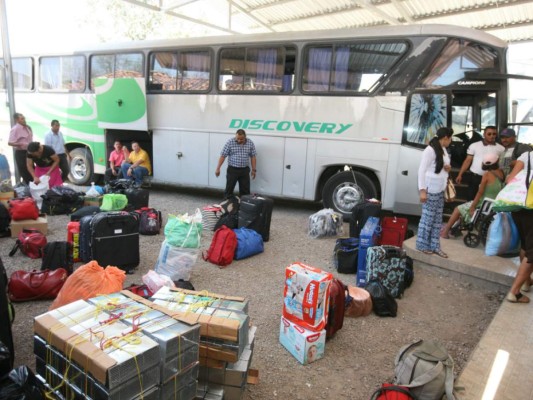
column 426, row 368
column 230, row 205
column 230, row 213
column 31, row 242
column 337, row 304
column 249, row 243
column 345, row 255
column 150, row 221
column 61, row 200
column 383, row 304
column 5, row 221
column 409, row 272
column 222, row 248
column 389, row 391
column 57, row 255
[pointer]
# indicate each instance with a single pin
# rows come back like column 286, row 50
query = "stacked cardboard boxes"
column 117, row 347
column 305, row 307
column 226, row 339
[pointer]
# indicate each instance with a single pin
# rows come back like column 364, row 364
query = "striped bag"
column 210, row 216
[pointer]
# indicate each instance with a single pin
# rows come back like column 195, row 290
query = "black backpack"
column 5, row 221
column 61, row 200
column 57, row 255
column 230, row 213
column 150, row 221
column 383, row 304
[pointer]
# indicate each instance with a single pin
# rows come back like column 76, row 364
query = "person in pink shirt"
column 20, row 136
column 116, row 158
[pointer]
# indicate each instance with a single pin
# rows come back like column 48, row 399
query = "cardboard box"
column 306, row 346
column 40, row 223
column 305, row 297
column 5, row 197
column 93, row 201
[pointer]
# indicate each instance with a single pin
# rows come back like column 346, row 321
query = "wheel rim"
column 78, row 168
column 346, row 196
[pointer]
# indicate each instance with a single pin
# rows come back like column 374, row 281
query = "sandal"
column 440, row 253
column 429, row 252
column 517, row 298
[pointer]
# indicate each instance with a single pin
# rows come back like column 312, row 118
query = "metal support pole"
column 8, row 72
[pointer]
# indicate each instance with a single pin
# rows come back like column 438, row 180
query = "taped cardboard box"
column 202, row 299
column 40, row 223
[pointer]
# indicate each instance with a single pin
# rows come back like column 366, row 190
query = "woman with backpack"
column 432, row 180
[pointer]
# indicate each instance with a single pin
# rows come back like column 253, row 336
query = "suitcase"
column 337, row 299
column 7, row 314
column 393, row 231
column 115, row 240
column 255, row 212
column 137, row 197
column 73, row 237
column 85, row 253
column 368, row 237
column 360, row 213
column 387, row 264
column 345, row 255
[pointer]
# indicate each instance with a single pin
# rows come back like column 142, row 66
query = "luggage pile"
column 241, row 228
column 374, row 253
column 117, row 346
column 226, row 339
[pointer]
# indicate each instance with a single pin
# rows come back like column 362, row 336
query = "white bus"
column 337, row 116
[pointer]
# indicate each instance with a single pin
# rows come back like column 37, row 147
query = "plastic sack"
column 37, row 190
column 22, row 190
column 513, row 195
column 502, row 237
column 114, row 202
column 154, row 281
column 175, row 262
column 184, row 230
column 325, row 222
column 21, row 384
column 88, row 281
column 92, row 192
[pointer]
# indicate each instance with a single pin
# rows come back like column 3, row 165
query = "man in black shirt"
column 42, row 160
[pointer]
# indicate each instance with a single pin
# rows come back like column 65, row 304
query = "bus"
column 338, row 116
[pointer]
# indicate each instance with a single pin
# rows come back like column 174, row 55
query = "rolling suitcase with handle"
column 255, row 212
column 115, row 240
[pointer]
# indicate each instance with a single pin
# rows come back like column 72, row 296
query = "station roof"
column 510, row 20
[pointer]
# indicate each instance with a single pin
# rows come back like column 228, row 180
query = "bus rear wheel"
column 81, row 167
column 346, row 189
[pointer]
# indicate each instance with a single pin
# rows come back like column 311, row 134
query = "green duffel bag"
column 114, row 202
column 184, row 230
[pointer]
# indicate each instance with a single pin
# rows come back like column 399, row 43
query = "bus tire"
column 341, row 193
column 81, row 167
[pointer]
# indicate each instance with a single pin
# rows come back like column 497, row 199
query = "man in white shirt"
column 54, row 139
column 474, row 159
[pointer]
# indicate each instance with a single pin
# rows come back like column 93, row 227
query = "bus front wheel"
column 81, row 167
column 346, row 189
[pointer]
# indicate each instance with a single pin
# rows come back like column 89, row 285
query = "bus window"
column 180, row 71
column 349, row 67
column 265, row 69
column 459, row 57
column 128, row 65
column 63, row 73
column 22, row 74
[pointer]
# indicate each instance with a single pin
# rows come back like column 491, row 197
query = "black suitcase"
column 7, row 314
column 85, row 238
column 137, row 197
column 360, row 213
column 115, row 239
column 255, row 212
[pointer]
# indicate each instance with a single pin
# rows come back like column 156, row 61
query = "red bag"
column 36, row 285
column 222, row 248
column 337, row 304
column 31, row 242
column 140, row 290
column 23, row 208
column 388, row 391
column 393, row 231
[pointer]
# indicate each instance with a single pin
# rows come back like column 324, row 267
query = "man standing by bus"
column 20, row 136
column 54, row 139
column 241, row 153
column 474, row 158
column 513, row 150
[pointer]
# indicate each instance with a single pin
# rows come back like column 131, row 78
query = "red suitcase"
column 337, row 304
column 393, row 231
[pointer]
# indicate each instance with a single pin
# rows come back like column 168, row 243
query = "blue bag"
column 5, row 173
column 249, row 243
column 503, row 237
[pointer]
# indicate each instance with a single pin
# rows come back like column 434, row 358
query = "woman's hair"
column 439, row 152
column 490, row 167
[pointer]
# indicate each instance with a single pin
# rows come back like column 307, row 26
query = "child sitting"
column 491, row 183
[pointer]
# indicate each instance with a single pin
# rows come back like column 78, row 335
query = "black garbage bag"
column 21, row 384
column 383, row 304
column 6, row 360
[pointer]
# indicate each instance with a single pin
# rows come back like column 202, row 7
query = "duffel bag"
column 23, row 208
column 249, row 243
column 36, row 285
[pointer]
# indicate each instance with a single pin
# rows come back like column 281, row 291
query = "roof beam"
column 367, row 4
column 318, row 14
column 174, row 5
column 249, row 15
column 403, row 12
column 470, row 9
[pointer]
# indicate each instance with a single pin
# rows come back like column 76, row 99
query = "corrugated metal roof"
column 510, row 20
